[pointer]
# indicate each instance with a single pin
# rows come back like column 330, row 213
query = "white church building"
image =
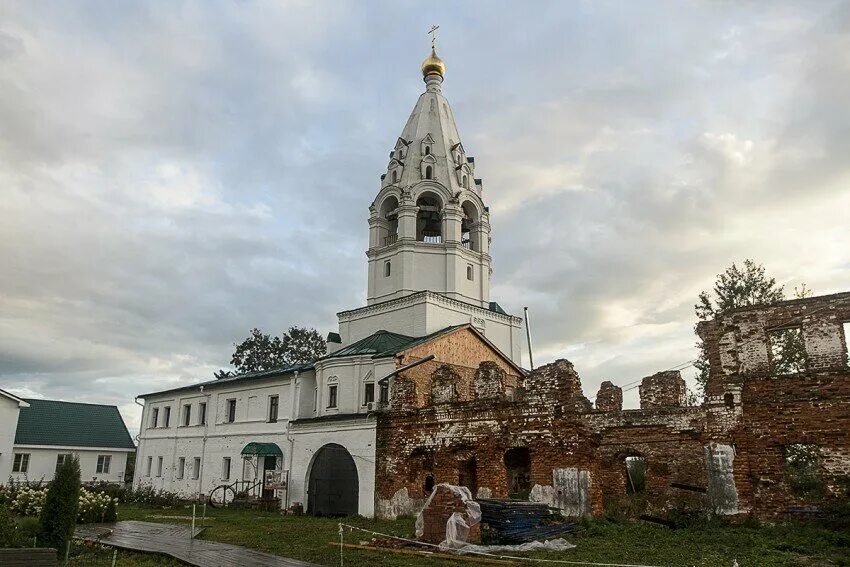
column 307, row 434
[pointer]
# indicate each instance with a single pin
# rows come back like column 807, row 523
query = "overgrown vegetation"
column 261, row 351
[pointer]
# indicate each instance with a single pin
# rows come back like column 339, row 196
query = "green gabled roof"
column 373, row 344
column 71, row 424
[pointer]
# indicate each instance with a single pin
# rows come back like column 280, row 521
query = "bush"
column 59, row 514
column 28, row 501
column 28, row 528
column 152, row 497
column 111, row 489
column 95, row 507
column 8, row 537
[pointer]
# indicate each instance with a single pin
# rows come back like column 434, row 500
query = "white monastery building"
column 307, row 433
column 36, row 436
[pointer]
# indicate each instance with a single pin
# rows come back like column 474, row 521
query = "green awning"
column 262, row 450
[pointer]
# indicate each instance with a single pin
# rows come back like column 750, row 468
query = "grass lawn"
column 307, row 538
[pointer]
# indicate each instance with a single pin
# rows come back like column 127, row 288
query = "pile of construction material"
column 515, row 522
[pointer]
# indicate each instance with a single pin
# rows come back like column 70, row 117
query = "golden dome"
column 433, row 65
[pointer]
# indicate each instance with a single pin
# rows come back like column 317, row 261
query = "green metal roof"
column 262, row 449
column 373, row 344
column 71, row 424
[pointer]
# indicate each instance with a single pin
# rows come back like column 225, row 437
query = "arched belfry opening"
column 429, row 219
column 468, row 236
column 389, row 213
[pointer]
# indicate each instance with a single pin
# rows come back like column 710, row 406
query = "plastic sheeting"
column 557, row 544
column 457, row 527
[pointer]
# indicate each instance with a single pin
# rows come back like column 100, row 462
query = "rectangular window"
column 60, row 459
column 187, row 414
column 159, row 466
column 384, row 394
column 469, row 273
column 315, row 399
column 225, row 468
column 166, row 417
column 787, row 350
column 149, row 465
column 332, row 395
column 196, row 470
column 202, row 413
column 231, row 410
column 103, row 464
column 369, row 394
column 154, row 417
column 181, row 467
column 273, row 404
column 21, row 463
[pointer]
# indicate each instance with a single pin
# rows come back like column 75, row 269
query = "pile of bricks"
column 443, row 504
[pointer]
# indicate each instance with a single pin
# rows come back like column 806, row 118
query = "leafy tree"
column 261, row 351
column 736, row 287
column 59, row 515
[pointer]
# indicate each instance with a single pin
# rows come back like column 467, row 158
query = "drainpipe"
column 139, row 441
column 528, row 336
column 204, row 442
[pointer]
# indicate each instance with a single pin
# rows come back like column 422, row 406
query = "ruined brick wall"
column 762, row 413
column 461, row 351
column 609, row 397
column 663, row 390
column 729, row 454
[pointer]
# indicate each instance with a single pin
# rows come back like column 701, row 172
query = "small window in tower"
column 428, row 172
column 395, row 176
column 469, row 272
column 427, row 150
column 465, row 182
column 387, row 269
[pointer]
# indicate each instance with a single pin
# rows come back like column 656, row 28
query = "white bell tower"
column 428, row 226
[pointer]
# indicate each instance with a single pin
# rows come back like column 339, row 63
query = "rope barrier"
column 484, row 553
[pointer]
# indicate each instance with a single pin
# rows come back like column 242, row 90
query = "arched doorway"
column 333, row 486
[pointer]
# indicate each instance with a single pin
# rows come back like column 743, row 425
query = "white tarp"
column 458, row 527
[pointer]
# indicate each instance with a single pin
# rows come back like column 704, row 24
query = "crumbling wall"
column 663, row 390
column 729, row 454
column 609, row 397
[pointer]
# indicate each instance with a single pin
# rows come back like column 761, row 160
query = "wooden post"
column 192, row 531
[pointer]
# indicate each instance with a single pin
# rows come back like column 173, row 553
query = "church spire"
column 433, row 68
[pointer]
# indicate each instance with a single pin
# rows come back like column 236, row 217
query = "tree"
column 736, row 287
column 59, row 514
column 261, row 351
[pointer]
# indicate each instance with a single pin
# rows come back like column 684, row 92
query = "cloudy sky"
column 173, row 174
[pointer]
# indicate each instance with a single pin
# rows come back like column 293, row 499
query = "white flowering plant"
column 93, row 507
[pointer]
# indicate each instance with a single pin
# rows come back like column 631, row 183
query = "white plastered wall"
column 42, row 463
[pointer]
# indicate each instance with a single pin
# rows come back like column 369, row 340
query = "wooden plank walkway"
column 174, row 540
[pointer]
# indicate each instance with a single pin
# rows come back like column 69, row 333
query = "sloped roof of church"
column 373, row 344
column 237, row 378
column 72, row 424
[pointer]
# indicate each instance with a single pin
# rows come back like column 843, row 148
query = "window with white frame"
column 231, row 410
column 274, row 403
column 103, row 464
column 149, row 466
column 154, row 417
column 21, row 463
column 369, row 393
column 202, row 413
column 196, row 469
column 225, row 468
column 187, row 414
column 181, row 467
column 333, row 389
column 159, row 466
column 166, row 416
column 60, row 459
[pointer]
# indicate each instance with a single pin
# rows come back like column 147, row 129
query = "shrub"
column 96, row 507
column 59, row 514
column 28, row 528
column 151, row 496
column 7, row 528
column 28, row 501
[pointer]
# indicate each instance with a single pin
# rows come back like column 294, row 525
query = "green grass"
column 307, row 538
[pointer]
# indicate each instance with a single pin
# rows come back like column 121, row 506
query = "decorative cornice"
column 426, row 295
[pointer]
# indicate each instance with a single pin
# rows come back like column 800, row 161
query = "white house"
column 10, row 407
column 429, row 270
column 49, row 431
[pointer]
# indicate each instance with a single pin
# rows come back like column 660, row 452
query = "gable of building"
column 71, row 424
